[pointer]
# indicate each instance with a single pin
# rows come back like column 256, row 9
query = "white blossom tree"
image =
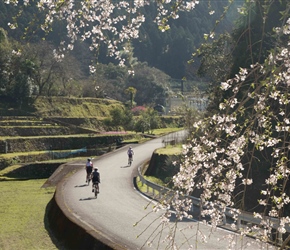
column 242, row 152
column 103, row 21
column 249, row 135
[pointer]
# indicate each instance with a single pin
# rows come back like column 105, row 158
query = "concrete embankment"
column 71, row 232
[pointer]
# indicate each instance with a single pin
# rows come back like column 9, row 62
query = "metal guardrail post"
column 200, row 208
column 280, row 238
column 224, row 219
column 239, row 223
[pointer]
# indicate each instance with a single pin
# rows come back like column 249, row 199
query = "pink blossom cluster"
column 138, row 109
column 115, row 132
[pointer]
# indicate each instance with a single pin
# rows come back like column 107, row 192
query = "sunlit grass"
column 170, row 150
column 144, row 188
column 162, row 131
column 22, row 215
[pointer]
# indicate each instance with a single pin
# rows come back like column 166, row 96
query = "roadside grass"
column 163, row 131
column 170, row 150
column 23, row 215
column 146, row 189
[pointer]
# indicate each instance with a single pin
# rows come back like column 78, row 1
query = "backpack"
column 96, row 176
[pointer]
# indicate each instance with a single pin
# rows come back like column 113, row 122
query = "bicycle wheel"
column 96, row 190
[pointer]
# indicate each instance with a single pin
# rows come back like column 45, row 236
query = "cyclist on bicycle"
column 89, row 168
column 96, row 179
column 130, row 154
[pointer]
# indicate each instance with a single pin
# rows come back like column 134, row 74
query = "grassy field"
column 23, row 223
column 23, row 215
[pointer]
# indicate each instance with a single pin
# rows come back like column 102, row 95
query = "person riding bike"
column 96, row 179
column 89, row 168
column 130, row 154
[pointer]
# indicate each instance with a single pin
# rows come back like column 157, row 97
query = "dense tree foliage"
column 250, row 42
column 72, row 78
column 147, row 121
column 168, row 51
column 32, row 70
column 16, row 70
column 150, row 84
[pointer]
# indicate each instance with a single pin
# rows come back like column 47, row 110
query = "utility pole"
column 182, row 86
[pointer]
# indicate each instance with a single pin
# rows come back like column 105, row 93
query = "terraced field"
column 55, row 128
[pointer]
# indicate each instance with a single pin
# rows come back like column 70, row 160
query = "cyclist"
column 96, row 179
column 130, row 154
column 89, row 168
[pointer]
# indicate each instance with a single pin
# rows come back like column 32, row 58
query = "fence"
column 175, row 138
column 66, row 154
column 159, row 192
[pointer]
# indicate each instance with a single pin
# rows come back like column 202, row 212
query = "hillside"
column 59, row 127
column 74, row 107
column 54, row 128
column 82, row 112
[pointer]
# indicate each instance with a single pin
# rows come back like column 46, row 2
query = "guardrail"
column 242, row 218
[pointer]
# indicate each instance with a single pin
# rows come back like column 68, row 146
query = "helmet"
column 95, row 169
column 89, row 159
column 130, row 147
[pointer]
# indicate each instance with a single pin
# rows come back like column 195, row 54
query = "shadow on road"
column 84, row 185
column 125, row 166
column 87, row 199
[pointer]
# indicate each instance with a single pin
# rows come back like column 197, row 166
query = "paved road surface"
column 119, row 206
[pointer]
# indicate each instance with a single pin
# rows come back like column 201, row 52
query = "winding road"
column 119, row 207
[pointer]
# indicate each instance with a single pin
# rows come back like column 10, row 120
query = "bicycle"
column 130, row 160
column 89, row 177
column 130, row 154
column 96, row 188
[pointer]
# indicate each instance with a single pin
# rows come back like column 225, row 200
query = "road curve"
column 119, row 206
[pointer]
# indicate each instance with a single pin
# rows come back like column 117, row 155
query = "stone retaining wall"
column 57, row 143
